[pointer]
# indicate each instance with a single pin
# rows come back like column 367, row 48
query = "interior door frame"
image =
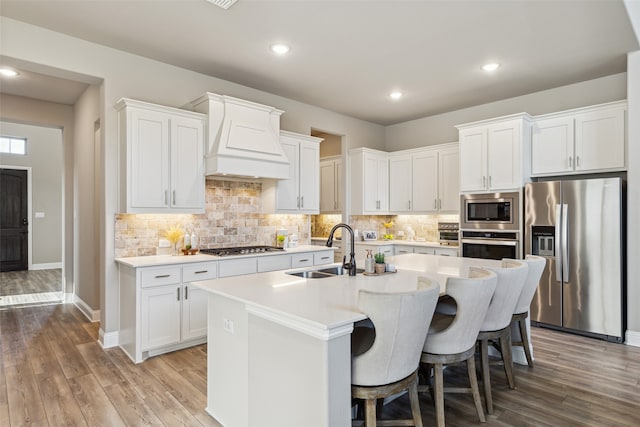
column 29, row 214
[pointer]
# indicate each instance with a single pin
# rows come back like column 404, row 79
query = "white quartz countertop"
column 393, row 242
column 328, row 303
column 160, row 260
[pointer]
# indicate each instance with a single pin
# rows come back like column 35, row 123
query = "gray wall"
column 44, row 156
column 440, row 129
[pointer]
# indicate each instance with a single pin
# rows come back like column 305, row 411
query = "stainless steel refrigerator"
column 578, row 226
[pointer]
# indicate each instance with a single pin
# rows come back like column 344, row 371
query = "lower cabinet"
column 428, row 250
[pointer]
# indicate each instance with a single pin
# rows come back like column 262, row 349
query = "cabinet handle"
column 324, row 257
column 304, row 260
column 570, row 162
column 409, row 204
column 162, row 276
column 484, row 182
column 577, row 161
column 186, row 292
column 435, row 203
column 439, row 203
column 201, row 271
column 302, row 201
column 174, row 197
column 298, row 202
column 165, row 197
column 489, row 181
column 178, row 294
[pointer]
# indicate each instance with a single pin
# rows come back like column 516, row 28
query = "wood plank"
column 60, row 405
column 94, row 402
column 100, row 364
column 130, row 405
column 25, row 404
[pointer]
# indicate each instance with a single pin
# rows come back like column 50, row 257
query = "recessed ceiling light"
column 280, row 49
column 396, row 95
column 8, row 72
column 492, row 66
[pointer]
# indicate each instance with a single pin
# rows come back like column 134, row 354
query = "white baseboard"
column 632, row 338
column 109, row 339
column 46, row 266
column 68, row 297
column 91, row 314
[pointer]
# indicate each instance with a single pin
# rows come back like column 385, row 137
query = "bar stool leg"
column 524, row 337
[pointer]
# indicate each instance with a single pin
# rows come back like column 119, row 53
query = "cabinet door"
column 473, row 159
column 402, row 249
column 425, row 182
column 287, row 194
column 187, row 163
column 338, row 184
column 370, row 183
column 503, row 156
column 160, row 312
column 149, row 159
column 449, row 180
column 383, row 184
column 194, row 312
column 400, row 180
column 446, row 252
column 600, row 140
column 309, row 176
column 552, row 146
column 424, row 250
column 327, row 186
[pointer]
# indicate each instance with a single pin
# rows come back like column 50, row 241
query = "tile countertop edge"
column 161, row 260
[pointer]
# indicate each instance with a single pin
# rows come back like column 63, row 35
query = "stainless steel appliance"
column 578, row 226
column 490, row 211
column 490, row 244
column 448, row 233
column 240, row 250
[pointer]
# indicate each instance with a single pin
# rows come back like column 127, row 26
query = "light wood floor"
column 53, row 372
column 30, row 281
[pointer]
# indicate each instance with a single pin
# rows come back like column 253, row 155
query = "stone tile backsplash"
column 232, row 218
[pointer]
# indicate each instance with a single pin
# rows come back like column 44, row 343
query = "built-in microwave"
column 493, row 211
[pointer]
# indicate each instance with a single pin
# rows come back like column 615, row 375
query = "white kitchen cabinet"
column 428, row 250
column 160, row 310
column 493, row 154
column 330, row 185
column 584, row 140
column 361, row 250
column 300, row 192
column 446, row 251
column 424, row 180
column 369, row 182
column 162, row 158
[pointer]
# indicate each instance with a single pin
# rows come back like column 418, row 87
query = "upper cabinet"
column 330, row 185
column 583, row 140
column 300, row 192
column 493, row 154
column 369, row 181
column 161, row 158
column 424, row 180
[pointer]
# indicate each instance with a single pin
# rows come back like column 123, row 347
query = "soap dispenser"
column 368, row 262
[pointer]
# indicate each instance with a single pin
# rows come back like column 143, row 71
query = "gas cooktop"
column 240, row 250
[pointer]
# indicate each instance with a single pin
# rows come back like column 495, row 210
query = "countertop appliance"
column 241, row 250
column 579, row 227
column 448, row 233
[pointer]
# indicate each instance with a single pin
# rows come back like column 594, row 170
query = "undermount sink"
column 339, row 270
column 323, row 273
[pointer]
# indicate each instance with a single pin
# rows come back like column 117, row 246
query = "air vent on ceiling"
column 225, row 4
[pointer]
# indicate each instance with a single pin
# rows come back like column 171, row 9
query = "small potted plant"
column 380, row 265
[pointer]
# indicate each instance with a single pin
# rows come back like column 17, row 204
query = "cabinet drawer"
column 301, row 260
column 237, row 267
column 272, row 263
column 325, row 257
column 200, row 271
column 160, row 276
column 423, row 250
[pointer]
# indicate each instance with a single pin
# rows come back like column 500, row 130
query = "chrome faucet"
column 351, row 265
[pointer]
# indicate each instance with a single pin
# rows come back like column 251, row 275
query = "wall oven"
column 490, row 244
column 493, row 211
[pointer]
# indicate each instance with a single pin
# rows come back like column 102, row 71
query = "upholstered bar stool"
column 390, row 365
column 451, row 339
column 497, row 323
column 518, row 320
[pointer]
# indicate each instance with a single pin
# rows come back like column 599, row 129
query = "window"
column 12, row 145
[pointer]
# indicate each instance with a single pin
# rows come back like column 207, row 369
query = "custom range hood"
column 243, row 138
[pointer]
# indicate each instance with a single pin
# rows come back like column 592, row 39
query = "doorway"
column 14, row 220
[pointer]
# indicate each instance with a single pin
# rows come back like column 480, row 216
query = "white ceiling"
column 348, row 55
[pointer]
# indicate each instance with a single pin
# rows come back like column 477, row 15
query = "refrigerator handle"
column 558, row 243
column 565, row 243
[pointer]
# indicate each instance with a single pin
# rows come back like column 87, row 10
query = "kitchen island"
column 279, row 345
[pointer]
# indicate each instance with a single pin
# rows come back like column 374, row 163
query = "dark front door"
column 14, row 222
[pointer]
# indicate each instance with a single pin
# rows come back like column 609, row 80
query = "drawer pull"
column 324, row 257
column 201, row 271
column 303, row 260
column 162, row 276
column 178, row 294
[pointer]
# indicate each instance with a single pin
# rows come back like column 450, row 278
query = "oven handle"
column 490, row 242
